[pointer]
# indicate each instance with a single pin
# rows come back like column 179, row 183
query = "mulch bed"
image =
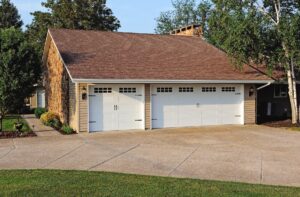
column 281, row 123
column 13, row 134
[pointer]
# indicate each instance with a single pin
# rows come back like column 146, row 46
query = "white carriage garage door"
column 116, row 107
column 197, row 105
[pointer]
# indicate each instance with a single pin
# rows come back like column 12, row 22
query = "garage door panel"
column 165, row 113
column 122, row 108
column 205, row 105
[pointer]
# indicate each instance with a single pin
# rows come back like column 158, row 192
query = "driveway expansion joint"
column 114, row 157
column 180, row 164
column 13, row 147
column 66, row 154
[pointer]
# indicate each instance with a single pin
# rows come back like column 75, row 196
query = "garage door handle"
column 140, row 120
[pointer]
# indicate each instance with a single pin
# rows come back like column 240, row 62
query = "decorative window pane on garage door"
column 228, row 89
column 102, row 90
column 164, row 90
column 209, row 89
column 186, row 89
column 127, row 90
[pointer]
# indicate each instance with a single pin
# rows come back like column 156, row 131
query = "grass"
column 8, row 123
column 83, row 183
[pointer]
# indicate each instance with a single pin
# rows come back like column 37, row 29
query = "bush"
column 39, row 111
column 49, row 119
column 67, row 129
column 55, row 123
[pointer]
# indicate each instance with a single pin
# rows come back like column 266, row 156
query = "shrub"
column 55, row 123
column 67, row 129
column 39, row 111
column 49, row 118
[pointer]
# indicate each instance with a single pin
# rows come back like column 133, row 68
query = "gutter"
column 264, row 86
column 153, row 81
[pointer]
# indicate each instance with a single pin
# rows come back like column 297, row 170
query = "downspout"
column 264, row 86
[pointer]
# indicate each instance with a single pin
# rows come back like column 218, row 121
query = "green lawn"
column 8, row 123
column 82, row 183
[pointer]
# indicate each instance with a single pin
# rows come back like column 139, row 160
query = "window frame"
column 102, row 90
column 208, row 89
column 127, row 90
column 228, row 89
column 282, row 89
column 186, row 89
column 164, row 89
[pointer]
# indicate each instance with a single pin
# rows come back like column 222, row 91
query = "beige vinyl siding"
column 73, row 112
column 147, row 106
column 83, row 109
column 250, row 105
column 33, row 100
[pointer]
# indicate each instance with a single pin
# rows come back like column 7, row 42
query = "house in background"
column 273, row 103
column 100, row 81
column 36, row 100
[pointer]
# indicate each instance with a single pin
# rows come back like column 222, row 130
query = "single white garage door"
column 196, row 105
column 116, row 107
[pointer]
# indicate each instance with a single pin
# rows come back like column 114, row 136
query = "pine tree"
column 9, row 16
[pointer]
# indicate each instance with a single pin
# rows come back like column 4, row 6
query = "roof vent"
column 191, row 30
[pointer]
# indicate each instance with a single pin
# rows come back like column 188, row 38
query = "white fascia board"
column 138, row 81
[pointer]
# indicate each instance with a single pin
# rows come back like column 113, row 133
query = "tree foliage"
column 184, row 13
column 19, row 70
column 9, row 15
column 262, row 32
column 71, row 14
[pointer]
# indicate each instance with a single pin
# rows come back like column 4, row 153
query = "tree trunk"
column 1, row 123
column 293, row 94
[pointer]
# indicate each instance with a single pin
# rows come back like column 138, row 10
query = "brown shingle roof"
column 111, row 55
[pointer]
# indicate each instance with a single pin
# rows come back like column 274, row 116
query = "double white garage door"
column 122, row 107
column 196, row 105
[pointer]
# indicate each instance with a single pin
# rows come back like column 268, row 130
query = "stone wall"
column 56, row 84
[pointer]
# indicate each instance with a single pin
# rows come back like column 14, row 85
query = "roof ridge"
column 117, row 32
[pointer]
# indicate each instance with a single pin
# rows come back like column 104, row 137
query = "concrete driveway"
column 254, row 154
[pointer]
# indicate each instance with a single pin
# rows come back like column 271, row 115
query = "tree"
column 71, row 14
column 261, row 32
column 9, row 16
column 19, row 70
column 184, row 13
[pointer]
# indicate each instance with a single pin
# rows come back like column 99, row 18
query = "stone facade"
column 57, row 84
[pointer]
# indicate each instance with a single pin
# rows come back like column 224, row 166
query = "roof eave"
column 154, row 81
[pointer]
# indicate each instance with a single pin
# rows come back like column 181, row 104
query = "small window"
column 164, row 90
column 186, row 89
column 102, row 90
column 209, row 89
column 127, row 90
column 228, row 89
column 280, row 91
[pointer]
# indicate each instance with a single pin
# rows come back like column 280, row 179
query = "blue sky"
column 135, row 15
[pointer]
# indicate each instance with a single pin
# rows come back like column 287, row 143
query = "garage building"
column 102, row 81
